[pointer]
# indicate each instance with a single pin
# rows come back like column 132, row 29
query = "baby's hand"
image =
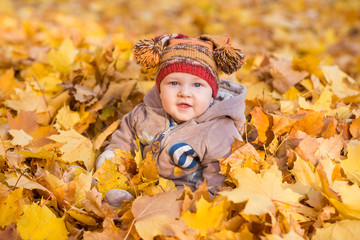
column 109, row 154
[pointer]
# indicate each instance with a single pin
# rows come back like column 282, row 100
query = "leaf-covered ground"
column 67, row 76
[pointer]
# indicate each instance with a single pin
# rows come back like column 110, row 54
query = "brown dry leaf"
column 110, row 231
column 152, row 214
column 92, row 202
column 10, row 233
column 102, row 137
column 112, row 93
column 284, row 75
column 331, row 147
column 304, row 145
column 26, row 120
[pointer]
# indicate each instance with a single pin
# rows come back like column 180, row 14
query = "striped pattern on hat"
column 189, row 55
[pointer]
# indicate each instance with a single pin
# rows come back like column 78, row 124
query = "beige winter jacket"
column 189, row 151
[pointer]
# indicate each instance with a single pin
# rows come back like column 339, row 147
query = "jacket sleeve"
column 124, row 137
column 218, row 143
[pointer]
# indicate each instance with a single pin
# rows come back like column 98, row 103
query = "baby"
column 189, row 119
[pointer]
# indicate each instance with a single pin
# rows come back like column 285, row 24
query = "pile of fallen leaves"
column 67, row 76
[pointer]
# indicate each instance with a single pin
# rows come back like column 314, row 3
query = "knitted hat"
column 202, row 56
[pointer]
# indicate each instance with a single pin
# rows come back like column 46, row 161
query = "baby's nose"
column 184, row 91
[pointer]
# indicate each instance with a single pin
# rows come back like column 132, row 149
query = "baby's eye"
column 174, row 83
column 197, row 85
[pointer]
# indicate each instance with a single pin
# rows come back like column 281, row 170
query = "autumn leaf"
column 76, row 148
column 47, row 225
column 68, row 77
column 108, row 177
column 207, row 216
column 322, row 104
column 152, row 214
column 345, row 229
column 110, row 231
column 62, row 58
column 20, row 137
column 263, row 192
column 263, row 124
column 351, row 164
column 11, row 208
column 283, row 74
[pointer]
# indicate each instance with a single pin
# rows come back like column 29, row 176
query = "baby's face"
column 185, row 96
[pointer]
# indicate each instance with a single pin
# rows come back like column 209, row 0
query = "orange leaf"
column 263, row 123
column 355, row 128
column 312, row 124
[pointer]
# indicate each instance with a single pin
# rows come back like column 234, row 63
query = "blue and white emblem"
column 183, row 155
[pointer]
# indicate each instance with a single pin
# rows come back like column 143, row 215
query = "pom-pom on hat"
column 202, row 57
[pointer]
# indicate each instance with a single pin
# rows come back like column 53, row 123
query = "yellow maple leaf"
column 41, row 223
column 27, row 100
column 67, row 118
column 108, row 177
column 207, row 216
column 350, row 197
column 309, row 63
column 345, row 230
column 322, row 104
column 292, row 94
column 11, row 208
column 8, row 82
column 341, row 83
column 351, row 164
column 21, row 138
column 62, row 58
column 76, row 148
column 306, row 174
column 263, row 192
column 50, row 85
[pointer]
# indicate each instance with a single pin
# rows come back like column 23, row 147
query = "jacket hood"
column 229, row 102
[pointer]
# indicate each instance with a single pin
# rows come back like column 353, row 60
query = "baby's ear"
column 148, row 52
column 228, row 58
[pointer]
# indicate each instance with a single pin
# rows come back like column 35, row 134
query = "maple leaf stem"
column 285, row 203
column 128, row 233
column 46, row 199
column 21, row 174
column 212, row 234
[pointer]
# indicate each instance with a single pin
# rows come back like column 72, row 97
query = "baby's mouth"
column 183, row 105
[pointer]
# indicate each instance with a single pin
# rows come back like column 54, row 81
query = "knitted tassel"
column 148, row 52
column 228, row 58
